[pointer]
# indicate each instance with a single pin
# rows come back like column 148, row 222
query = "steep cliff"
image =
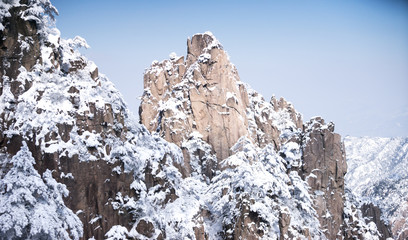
column 201, row 100
column 215, row 160
column 63, row 122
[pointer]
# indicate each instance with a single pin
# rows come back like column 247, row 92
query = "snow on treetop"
column 40, row 11
column 173, row 55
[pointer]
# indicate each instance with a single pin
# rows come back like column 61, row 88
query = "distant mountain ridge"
column 377, row 173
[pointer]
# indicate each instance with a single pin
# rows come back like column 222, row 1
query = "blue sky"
column 346, row 61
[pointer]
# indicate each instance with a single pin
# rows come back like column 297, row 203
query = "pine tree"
column 31, row 206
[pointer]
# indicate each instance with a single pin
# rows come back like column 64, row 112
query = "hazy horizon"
column 345, row 61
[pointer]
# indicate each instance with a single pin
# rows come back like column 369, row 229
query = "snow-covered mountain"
column 378, row 173
column 211, row 159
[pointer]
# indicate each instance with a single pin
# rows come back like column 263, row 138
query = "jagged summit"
column 184, row 94
column 221, row 124
column 202, row 43
column 180, row 96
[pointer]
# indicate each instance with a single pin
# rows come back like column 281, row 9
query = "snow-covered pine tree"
column 31, row 206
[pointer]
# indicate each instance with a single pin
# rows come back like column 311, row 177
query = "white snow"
column 366, row 158
column 173, row 56
column 204, row 58
column 117, row 233
column 233, row 96
column 32, row 205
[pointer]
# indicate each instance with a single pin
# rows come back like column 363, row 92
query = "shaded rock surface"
column 373, row 213
column 13, row 53
column 74, row 123
column 324, row 168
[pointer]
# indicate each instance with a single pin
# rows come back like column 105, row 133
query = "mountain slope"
column 234, row 166
column 366, row 158
column 74, row 123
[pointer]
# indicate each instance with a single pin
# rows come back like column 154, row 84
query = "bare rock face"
column 200, row 95
column 324, row 168
column 284, row 223
column 14, row 54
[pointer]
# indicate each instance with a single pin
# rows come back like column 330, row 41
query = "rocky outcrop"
column 91, row 184
column 283, row 105
column 373, row 213
column 19, row 45
column 324, row 167
column 200, row 95
column 15, row 55
column 399, row 224
column 203, row 96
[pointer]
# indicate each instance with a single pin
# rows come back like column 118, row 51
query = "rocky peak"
column 203, row 95
column 283, row 105
column 202, row 106
column 201, row 44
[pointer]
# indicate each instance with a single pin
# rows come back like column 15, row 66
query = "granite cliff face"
column 215, row 160
column 200, row 95
column 203, row 97
column 324, row 167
